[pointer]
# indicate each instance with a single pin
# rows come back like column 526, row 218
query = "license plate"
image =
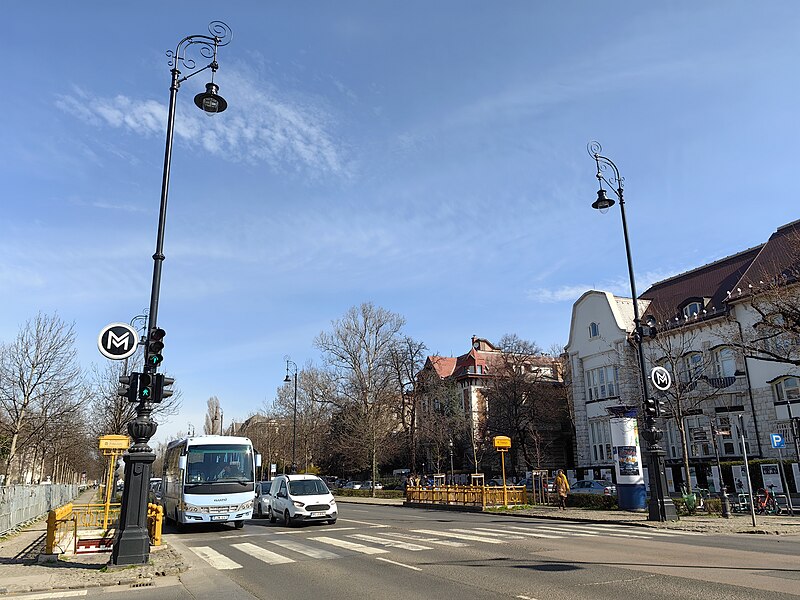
column 219, row 517
column 318, row 514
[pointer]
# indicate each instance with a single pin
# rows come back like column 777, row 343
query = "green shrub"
column 592, row 501
column 368, row 493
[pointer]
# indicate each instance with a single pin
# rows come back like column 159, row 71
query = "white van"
column 301, row 498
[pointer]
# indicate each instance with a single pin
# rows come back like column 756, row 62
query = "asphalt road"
column 400, row 553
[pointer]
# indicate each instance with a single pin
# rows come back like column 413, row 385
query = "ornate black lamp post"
column 294, row 414
column 132, row 543
column 661, row 507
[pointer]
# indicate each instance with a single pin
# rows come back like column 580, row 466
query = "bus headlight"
column 245, row 506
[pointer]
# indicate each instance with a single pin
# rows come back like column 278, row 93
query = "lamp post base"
column 132, row 541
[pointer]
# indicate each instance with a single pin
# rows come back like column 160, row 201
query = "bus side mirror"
column 258, row 461
column 182, row 463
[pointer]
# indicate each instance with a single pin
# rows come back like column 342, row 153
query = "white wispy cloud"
column 289, row 132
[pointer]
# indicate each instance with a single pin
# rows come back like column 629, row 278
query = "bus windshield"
column 219, row 463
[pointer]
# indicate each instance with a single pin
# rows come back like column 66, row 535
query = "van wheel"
column 272, row 517
column 238, row 524
column 287, row 520
column 259, row 514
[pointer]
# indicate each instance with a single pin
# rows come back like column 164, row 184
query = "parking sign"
column 777, row 440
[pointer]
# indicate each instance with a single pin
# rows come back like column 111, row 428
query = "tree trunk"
column 685, row 446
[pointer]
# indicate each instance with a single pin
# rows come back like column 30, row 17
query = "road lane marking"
column 299, row 531
column 459, row 536
column 262, row 554
column 428, row 540
column 303, row 549
column 673, row 532
column 398, row 563
column 350, row 545
column 214, row 558
column 392, row 543
column 363, row 523
column 524, row 533
column 57, row 595
column 504, row 534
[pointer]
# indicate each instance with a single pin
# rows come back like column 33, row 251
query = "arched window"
column 787, row 389
column 594, row 330
column 692, row 309
column 724, row 362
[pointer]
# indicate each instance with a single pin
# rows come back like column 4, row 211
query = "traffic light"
column 129, row 386
column 145, row 391
column 155, row 345
column 654, row 406
column 161, row 385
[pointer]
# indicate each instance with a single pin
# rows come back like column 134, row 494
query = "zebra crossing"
column 338, row 543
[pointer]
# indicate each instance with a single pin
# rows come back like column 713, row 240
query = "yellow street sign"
column 111, row 442
column 501, row 442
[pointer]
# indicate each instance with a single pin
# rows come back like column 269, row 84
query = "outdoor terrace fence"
column 469, row 495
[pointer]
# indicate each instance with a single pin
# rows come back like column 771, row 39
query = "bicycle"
column 765, row 502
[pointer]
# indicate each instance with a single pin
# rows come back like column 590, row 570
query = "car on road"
column 352, row 485
column 367, row 485
column 598, row 487
column 261, row 508
column 301, row 499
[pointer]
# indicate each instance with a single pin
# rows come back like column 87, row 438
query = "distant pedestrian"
column 562, row 489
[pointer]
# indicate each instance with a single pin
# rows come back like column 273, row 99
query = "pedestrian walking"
column 562, row 489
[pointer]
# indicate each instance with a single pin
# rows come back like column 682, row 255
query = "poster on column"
column 740, row 479
column 772, row 478
column 714, row 485
column 693, row 477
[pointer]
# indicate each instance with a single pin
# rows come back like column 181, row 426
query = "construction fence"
column 22, row 503
column 471, row 495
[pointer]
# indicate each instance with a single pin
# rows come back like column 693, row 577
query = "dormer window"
column 594, row 330
column 693, row 308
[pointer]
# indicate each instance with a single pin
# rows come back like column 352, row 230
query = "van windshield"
column 308, row 487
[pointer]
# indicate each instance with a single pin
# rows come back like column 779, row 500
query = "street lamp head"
column 286, row 379
column 210, row 102
column 603, row 203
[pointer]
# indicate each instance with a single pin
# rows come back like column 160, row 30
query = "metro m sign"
column 118, row 341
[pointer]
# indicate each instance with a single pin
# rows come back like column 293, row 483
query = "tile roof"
column 710, row 282
column 778, row 258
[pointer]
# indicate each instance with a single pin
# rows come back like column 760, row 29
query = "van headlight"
column 298, row 504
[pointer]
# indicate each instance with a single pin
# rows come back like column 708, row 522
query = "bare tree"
column 679, row 349
column 40, row 383
column 213, row 422
column 526, row 403
column 110, row 412
column 357, row 355
column 407, row 360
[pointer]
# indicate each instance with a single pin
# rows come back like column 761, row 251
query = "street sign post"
column 118, row 341
column 661, row 378
column 502, row 444
column 779, row 442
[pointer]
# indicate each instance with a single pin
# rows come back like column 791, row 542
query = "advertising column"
column 631, row 493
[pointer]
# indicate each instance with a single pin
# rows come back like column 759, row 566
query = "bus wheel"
column 238, row 524
column 178, row 525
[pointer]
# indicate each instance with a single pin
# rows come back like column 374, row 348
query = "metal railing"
column 22, row 503
column 468, row 495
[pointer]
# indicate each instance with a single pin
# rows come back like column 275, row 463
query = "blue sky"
column 429, row 157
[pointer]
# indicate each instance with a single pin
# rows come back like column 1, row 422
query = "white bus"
column 209, row 479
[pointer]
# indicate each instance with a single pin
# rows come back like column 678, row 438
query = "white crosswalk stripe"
column 262, row 554
column 215, row 559
column 508, row 535
column 574, row 532
column 427, row 540
column 459, row 536
column 305, row 550
column 525, row 533
column 349, row 545
column 393, row 543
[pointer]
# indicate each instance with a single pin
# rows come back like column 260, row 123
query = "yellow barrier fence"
column 70, row 518
column 468, row 495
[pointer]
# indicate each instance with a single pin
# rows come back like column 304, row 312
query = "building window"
column 600, row 440
column 602, row 383
column 594, row 330
column 691, row 367
column 724, row 362
column 692, row 309
column 787, row 389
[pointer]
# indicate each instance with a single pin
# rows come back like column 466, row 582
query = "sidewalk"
column 20, row 571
